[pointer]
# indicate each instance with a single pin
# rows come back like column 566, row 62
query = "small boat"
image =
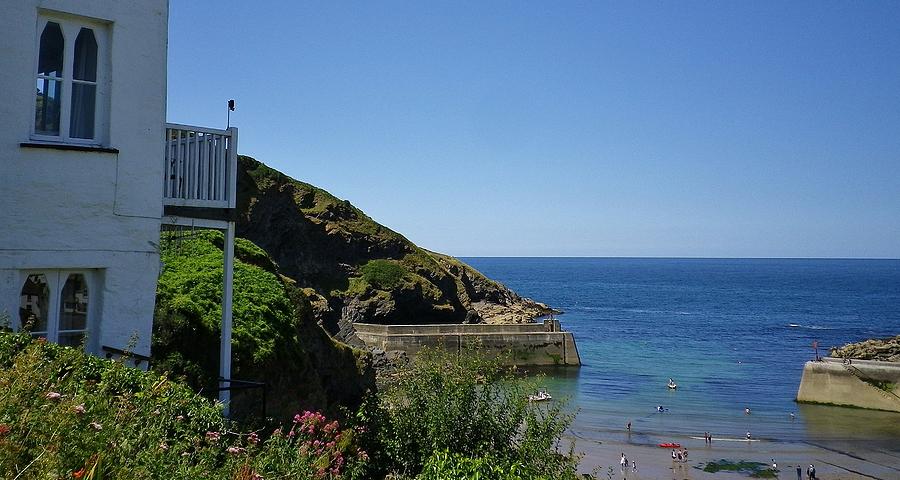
column 670, row 445
column 540, row 396
column 793, row 325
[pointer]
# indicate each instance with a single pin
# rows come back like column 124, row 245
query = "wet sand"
column 832, row 462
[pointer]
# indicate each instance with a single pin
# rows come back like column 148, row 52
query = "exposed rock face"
column 886, row 350
column 355, row 270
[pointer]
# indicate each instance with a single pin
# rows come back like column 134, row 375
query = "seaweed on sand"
column 753, row 469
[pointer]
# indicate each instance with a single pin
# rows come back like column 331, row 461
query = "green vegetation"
column 64, row 414
column 383, row 274
column 753, row 469
column 450, row 417
column 886, row 386
column 274, row 338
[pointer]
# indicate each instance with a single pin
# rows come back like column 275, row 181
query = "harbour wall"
column 830, row 381
column 528, row 344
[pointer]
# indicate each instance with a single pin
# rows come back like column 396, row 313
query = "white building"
column 90, row 171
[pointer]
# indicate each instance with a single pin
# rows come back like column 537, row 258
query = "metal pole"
column 227, row 292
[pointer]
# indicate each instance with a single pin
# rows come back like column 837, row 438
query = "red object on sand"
column 670, row 445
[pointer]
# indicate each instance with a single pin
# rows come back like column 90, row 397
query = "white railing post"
column 232, row 167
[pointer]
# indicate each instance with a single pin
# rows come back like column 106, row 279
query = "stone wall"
column 832, row 382
column 530, row 344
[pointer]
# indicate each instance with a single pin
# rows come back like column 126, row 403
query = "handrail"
column 212, row 131
column 862, row 377
column 245, row 385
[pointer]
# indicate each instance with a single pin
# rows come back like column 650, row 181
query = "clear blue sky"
column 735, row 129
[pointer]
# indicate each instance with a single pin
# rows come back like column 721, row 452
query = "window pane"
column 71, row 339
column 84, row 100
column 46, row 112
column 86, row 56
column 74, row 303
column 33, row 304
column 50, row 59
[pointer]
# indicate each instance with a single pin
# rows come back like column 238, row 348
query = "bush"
column 64, row 414
column 446, row 414
column 382, row 274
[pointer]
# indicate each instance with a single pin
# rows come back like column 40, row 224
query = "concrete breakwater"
column 859, row 383
column 528, row 344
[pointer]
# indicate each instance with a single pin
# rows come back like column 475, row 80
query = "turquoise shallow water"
column 720, row 328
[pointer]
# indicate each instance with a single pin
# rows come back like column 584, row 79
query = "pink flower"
column 235, row 450
column 79, row 409
column 53, row 396
column 256, row 476
column 252, row 438
column 212, row 437
column 95, row 426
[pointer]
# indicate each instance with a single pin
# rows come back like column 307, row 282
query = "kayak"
column 670, row 445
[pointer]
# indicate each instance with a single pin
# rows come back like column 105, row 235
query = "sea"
column 732, row 333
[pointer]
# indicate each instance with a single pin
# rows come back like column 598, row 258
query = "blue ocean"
column 733, row 333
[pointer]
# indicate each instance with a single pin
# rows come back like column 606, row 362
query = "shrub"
column 383, row 274
column 65, row 414
column 447, row 413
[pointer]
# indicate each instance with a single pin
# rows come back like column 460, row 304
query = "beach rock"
column 886, row 350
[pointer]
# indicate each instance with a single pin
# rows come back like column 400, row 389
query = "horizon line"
column 664, row 257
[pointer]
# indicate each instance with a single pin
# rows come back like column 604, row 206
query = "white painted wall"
column 88, row 210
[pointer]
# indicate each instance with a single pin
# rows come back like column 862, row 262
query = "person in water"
column 747, row 411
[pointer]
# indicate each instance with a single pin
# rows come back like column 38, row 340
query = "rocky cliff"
column 887, row 350
column 353, row 269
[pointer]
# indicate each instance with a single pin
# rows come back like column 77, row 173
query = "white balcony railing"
column 200, row 167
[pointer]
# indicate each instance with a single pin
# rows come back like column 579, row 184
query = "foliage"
column 189, row 312
column 383, row 274
column 64, row 414
column 443, row 466
column 446, row 413
column 274, row 338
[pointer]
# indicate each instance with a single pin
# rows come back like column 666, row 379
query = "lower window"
column 55, row 304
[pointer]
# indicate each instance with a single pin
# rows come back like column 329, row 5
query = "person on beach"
column 799, row 472
column 811, row 472
column 774, row 465
column 623, row 462
column 674, row 455
column 628, row 427
column 685, row 455
column 748, row 435
column 634, row 465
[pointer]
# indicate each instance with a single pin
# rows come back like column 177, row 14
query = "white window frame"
column 71, row 25
column 56, row 280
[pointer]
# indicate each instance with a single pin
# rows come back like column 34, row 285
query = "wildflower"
column 79, row 409
column 95, row 426
column 4, row 429
column 53, row 396
column 78, row 473
column 163, row 446
column 186, row 454
column 235, row 450
column 252, row 438
column 256, row 476
column 212, row 437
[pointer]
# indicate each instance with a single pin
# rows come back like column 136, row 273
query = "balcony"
column 200, row 170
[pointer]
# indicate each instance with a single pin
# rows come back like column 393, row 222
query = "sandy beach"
column 654, row 462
